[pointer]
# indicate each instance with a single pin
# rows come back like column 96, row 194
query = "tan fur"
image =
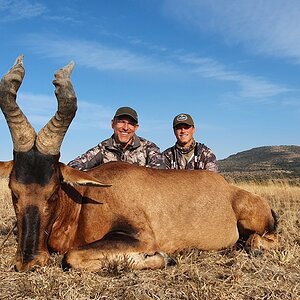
column 149, row 211
column 94, row 260
column 5, row 168
column 170, row 210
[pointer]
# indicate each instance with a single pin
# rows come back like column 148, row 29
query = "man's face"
column 184, row 134
column 124, row 128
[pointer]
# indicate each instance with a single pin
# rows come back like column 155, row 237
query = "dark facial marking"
column 30, row 232
column 34, row 167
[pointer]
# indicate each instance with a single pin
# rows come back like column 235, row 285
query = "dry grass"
column 228, row 274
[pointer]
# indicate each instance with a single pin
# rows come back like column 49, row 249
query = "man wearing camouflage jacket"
column 187, row 153
column 123, row 145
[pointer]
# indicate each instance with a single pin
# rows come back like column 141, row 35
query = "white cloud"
column 269, row 26
column 94, row 55
column 13, row 10
column 98, row 56
column 249, row 86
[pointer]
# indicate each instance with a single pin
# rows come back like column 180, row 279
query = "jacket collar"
column 184, row 150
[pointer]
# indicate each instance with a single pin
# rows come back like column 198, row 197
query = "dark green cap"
column 127, row 111
column 183, row 119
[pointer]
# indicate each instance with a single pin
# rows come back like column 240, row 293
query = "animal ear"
column 5, row 169
column 74, row 177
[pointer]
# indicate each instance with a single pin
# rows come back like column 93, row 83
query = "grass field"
column 227, row 274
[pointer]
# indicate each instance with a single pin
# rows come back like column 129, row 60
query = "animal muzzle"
column 38, row 260
column 32, row 249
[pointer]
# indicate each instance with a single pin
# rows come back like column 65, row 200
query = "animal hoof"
column 254, row 252
column 16, row 269
column 171, row 262
column 65, row 265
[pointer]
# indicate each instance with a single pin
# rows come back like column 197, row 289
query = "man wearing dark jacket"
column 187, row 153
column 123, row 145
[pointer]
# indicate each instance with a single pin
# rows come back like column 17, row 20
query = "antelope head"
column 34, row 173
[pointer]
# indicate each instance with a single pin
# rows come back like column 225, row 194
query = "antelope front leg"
column 118, row 249
column 95, row 259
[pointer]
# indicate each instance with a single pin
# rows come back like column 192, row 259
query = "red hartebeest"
column 118, row 210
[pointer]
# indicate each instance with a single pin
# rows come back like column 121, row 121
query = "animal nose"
column 40, row 260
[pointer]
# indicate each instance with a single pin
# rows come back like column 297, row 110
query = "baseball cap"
column 183, row 119
column 127, row 111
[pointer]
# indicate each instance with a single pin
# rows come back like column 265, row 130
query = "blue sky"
column 233, row 65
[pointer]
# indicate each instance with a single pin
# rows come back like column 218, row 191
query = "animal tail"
column 276, row 222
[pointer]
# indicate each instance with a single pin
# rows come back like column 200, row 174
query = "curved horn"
column 22, row 133
column 50, row 137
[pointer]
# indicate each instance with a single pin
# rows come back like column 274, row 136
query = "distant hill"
column 263, row 163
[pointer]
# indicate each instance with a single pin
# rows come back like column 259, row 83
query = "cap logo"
column 182, row 117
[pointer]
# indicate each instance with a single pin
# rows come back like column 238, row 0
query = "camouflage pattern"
column 198, row 156
column 140, row 152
